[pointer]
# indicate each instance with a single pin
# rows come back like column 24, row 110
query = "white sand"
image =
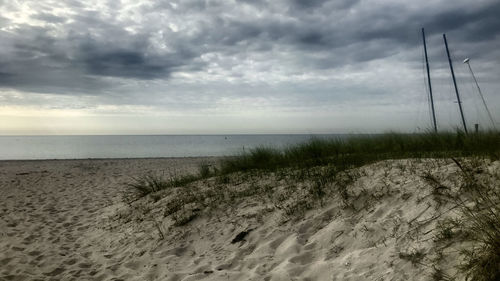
column 50, row 208
column 65, row 220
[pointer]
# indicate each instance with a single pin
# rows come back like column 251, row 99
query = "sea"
column 142, row 146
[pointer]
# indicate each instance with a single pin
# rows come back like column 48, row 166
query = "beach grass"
column 361, row 150
column 481, row 223
column 150, row 183
column 324, row 168
column 342, row 153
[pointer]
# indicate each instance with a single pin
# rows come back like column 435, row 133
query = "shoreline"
column 113, row 159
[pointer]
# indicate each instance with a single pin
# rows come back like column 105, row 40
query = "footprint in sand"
column 303, row 259
column 132, row 265
column 71, row 261
column 84, row 265
column 5, row 261
column 29, row 239
column 18, row 249
column 56, row 271
column 34, row 253
column 277, row 242
column 179, row 251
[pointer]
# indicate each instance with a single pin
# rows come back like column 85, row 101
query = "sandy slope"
column 64, row 220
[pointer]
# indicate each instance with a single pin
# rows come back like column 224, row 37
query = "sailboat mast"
column 429, row 81
column 455, row 83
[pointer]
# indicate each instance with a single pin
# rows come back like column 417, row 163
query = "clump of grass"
column 439, row 275
column 447, row 229
column 150, row 184
column 264, row 158
column 184, row 217
column 414, row 256
column 481, row 225
column 179, row 181
column 145, row 185
column 204, row 170
column 296, row 207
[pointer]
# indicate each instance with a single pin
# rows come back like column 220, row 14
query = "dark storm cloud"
column 480, row 24
column 49, row 18
column 38, row 62
column 79, row 51
column 301, row 4
column 131, row 62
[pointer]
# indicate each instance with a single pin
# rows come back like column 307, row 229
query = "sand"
column 49, row 209
column 66, row 220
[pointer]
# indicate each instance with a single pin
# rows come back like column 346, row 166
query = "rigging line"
column 451, row 92
column 481, row 94
column 469, row 91
column 469, row 94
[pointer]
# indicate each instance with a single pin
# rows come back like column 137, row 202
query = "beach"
column 51, row 213
column 249, row 140
column 67, row 220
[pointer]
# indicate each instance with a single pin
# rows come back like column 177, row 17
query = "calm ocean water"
column 81, row 147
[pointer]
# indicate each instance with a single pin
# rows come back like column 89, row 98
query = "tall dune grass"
column 360, row 150
column 343, row 153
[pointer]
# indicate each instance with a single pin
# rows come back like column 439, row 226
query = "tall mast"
column 455, row 83
column 429, row 81
column 467, row 61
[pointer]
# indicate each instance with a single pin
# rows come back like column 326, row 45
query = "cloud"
column 49, row 18
column 133, row 61
column 203, row 52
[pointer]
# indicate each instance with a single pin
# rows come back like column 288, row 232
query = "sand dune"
column 65, row 220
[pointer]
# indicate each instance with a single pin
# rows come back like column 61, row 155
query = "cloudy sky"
column 242, row 66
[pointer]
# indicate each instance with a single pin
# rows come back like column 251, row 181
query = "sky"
column 242, row 66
